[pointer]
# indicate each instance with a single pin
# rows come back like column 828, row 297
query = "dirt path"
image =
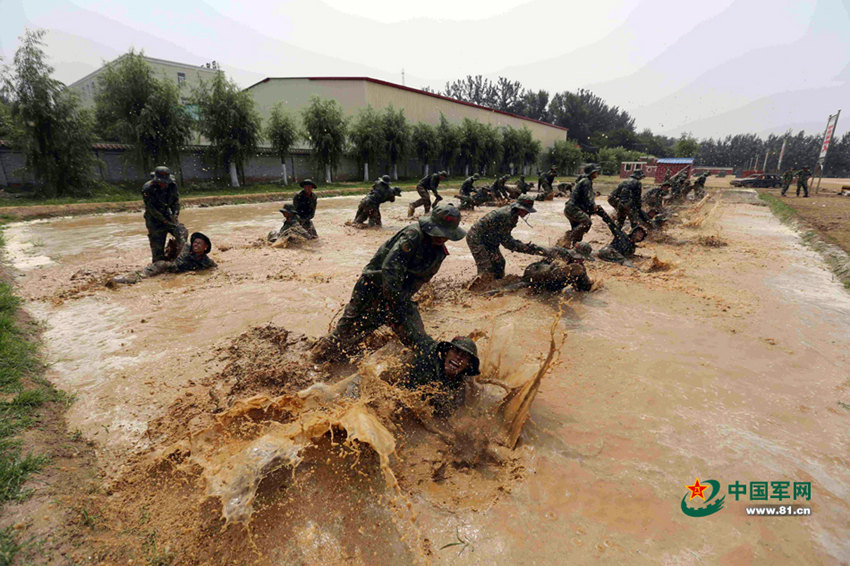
column 730, row 364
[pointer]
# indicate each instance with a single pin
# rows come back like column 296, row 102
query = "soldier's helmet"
column 162, row 174
column 466, row 345
column 306, row 182
column 584, row 249
column 289, row 209
column 639, row 174
column 385, row 179
column 524, row 202
column 203, row 237
column 590, row 168
column 475, row 176
column 443, row 174
column 443, row 222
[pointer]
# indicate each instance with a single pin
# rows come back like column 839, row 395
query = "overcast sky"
column 712, row 68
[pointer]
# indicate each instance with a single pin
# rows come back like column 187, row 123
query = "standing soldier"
column 494, row 230
column 305, row 206
column 384, row 292
column 787, row 177
column 546, row 182
column 162, row 208
column 581, row 205
column 370, row 206
column 626, row 200
column 803, row 176
column 429, row 183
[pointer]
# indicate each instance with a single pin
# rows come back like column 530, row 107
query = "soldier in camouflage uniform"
column 162, row 208
column 384, row 292
column 447, row 367
column 581, row 205
column 494, row 230
column 291, row 229
column 623, row 246
column 626, row 200
column 305, row 205
column 545, row 184
column 370, row 207
column 803, row 176
column 787, row 178
column 429, row 183
column 468, row 194
column 522, row 186
column 193, row 257
column 699, row 185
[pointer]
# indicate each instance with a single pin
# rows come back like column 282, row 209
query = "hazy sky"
column 712, row 68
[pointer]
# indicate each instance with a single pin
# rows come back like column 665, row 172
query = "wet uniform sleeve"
column 394, row 269
column 435, row 182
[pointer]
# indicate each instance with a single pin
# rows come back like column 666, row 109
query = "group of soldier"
column 383, row 295
column 803, row 175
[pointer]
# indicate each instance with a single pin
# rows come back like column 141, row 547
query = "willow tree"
column 326, row 132
column 396, row 137
column 425, row 143
column 367, row 138
column 281, row 132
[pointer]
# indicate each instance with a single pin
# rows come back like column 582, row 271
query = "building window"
column 181, row 78
column 628, row 166
column 638, row 166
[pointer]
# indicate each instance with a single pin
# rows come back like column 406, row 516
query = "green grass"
column 836, row 258
column 23, row 391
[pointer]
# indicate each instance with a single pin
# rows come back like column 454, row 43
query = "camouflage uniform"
column 384, row 292
column 162, row 207
column 291, row 229
column 787, row 177
column 370, row 207
column 620, row 248
column 426, row 184
column 579, row 207
column 626, row 201
column 490, row 232
column 429, row 369
column 699, row 185
column 468, row 194
column 553, row 275
column 545, row 184
column 305, row 207
column 803, row 176
column 522, row 186
column 186, row 261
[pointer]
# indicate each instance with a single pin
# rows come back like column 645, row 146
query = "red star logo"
column 697, row 489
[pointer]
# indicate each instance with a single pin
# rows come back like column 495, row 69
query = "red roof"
column 409, row 89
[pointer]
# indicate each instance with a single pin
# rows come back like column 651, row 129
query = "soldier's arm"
column 517, row 246
column 394, row 268
column 174, row 201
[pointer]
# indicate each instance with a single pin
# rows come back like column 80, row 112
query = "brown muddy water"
column 724, row 362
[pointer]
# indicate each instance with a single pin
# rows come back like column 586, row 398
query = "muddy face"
column 456, row 362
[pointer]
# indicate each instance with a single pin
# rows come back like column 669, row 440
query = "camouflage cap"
column 397, row 191
column 288, row 209
column 203, row 237
column 306, row 182
column 639, row 174
column 443, row 174
column 443, row 222
column 524, row 202
column 590, row 168
column 162, row 173
column 385, row 179
column 475, row 176
column 467, row 345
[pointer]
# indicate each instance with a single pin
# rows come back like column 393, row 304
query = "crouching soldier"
column 522, row 186
column 384, row 292
column 305, row 206
column 291, row 231
column 370, row 207
column 494, row 230
column 581, row 204
column 426, row 184
column 467, row 193
column 193, row 257
column 626, row 201
column 545, row 183
column 623, row 246
column 162, row 208
column 446, row 369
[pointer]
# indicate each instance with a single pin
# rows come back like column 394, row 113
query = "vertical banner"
column 781, row 155
column 831, row 122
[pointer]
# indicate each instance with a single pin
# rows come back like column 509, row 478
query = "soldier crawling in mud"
column 699, row 185
column 494, row 230
column 445, row 368
column 581, row 205
column 654, row 200
column 498, row 189
column 626, row 201
column 468, row 195
column 384, row 292
column 370, row 207
column 623, row 246
column 193, row 257
column 305, row 205
column 426, row 184
column 162, row 208
column 291, row 231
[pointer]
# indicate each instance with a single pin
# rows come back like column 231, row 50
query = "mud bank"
column 724, row 362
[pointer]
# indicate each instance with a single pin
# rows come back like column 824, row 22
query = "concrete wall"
column 355, row 94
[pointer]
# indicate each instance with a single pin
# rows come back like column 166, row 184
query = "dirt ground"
column 827, row 213
column 721, row 356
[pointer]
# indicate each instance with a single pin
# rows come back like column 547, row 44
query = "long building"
column 356, row 93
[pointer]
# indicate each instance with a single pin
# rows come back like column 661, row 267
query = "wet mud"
column 722, row 355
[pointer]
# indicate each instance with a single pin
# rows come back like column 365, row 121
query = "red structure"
column 646, row 164
column 713, row 170
column 673, row 165
column 748, row 172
